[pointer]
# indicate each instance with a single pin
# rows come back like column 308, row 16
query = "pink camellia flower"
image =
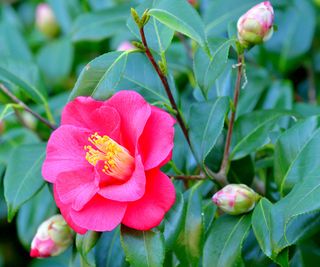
column 104, row 161
column 53, row 237
column 124, row 46
column 236, row 199
column 256, row 26
column 46, row 21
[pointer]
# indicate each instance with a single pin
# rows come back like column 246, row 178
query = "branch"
column 6, row 91
column 225, row 161
column 165, row 85
column 188, row 177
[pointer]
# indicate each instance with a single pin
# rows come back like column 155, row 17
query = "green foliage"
column 274, row 146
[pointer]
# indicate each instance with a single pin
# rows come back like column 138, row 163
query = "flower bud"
column 53, row 237
column 124, row 46
column 193, row 2
column 236, row 199
column 256, row 26
column 46, row 21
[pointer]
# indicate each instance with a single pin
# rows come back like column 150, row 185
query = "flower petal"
column 65, row 151
column 65, row 212
column 99, row 214
column 149, row 211
column 85, row 112
column 131, row 190
column 76, row 187
column 134, row 112
column 156, row 141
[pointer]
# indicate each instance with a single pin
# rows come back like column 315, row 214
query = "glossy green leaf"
column 173, row 222
column 38, row 209
column 180, row 16
column 190, row 241
column 85, row 244
column 206, row 69
column 143, row 248
column 205, row 125
column 23, row 176
column 224, row 242
column 251, row 131
column 99, row 25
column 108, row 251
column 60, row 55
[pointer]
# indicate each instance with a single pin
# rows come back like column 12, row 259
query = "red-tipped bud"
column 236, row 199
column 53, row 237
column 256, row 26
column 125, row 46
column 193, row 2
column 46, row 21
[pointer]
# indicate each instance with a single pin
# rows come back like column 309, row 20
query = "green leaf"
column 220, row 13
column 180, row 16
column 38, row 209
column 190, row 241
column 173, row 222
column 23, row 176
column 60, row 55
column 143, row 248
column 108, row 251
column 294, row 153
column 23, row 77
column 13, row 44
column 158, row 36
column 99, row 25
column 251, row 131
column 294, row 217
column 85, row 244
column 206, row 69
column 224, row 242
column 205, row 125
column 116, row 71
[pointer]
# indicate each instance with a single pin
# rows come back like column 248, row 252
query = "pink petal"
column 65, row 212
column 85, row 112
column 134, row 112
column 99, row 214
column 76, row 187
column 131, row 190
column 65, row 151
column 149, row 211
column 156, row 141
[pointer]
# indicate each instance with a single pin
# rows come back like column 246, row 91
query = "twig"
column 188, row 177
column 165, row 85
column 223, row 169
column 6, row 91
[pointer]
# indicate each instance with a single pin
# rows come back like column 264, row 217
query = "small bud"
column 46, row 21
column 125, row 46
column 193, row 2
column 139, row 45
column 53, row 237
column 145, row 18
column 135, row 16
column 236, row 199
column 1, row 126
column 162, row 67
column 256, row 26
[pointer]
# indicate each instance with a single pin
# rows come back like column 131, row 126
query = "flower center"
column 118, row 162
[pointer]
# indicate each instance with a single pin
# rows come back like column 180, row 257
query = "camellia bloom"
column 104, row 161
column 46, row 21
column 256, row 26
column 124, row 46
column 236, row 199
column 53, row 237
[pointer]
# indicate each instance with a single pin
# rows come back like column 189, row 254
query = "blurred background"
column 283, row 73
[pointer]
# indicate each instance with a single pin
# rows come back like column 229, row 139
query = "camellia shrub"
column 159, row 133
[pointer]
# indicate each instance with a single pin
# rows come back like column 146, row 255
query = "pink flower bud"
column 236, row 199
column 256, row 26
column 124, row 46
column 53, row 237
column 46, row 21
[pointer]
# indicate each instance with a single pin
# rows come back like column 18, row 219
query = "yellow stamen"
column 118, row 162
